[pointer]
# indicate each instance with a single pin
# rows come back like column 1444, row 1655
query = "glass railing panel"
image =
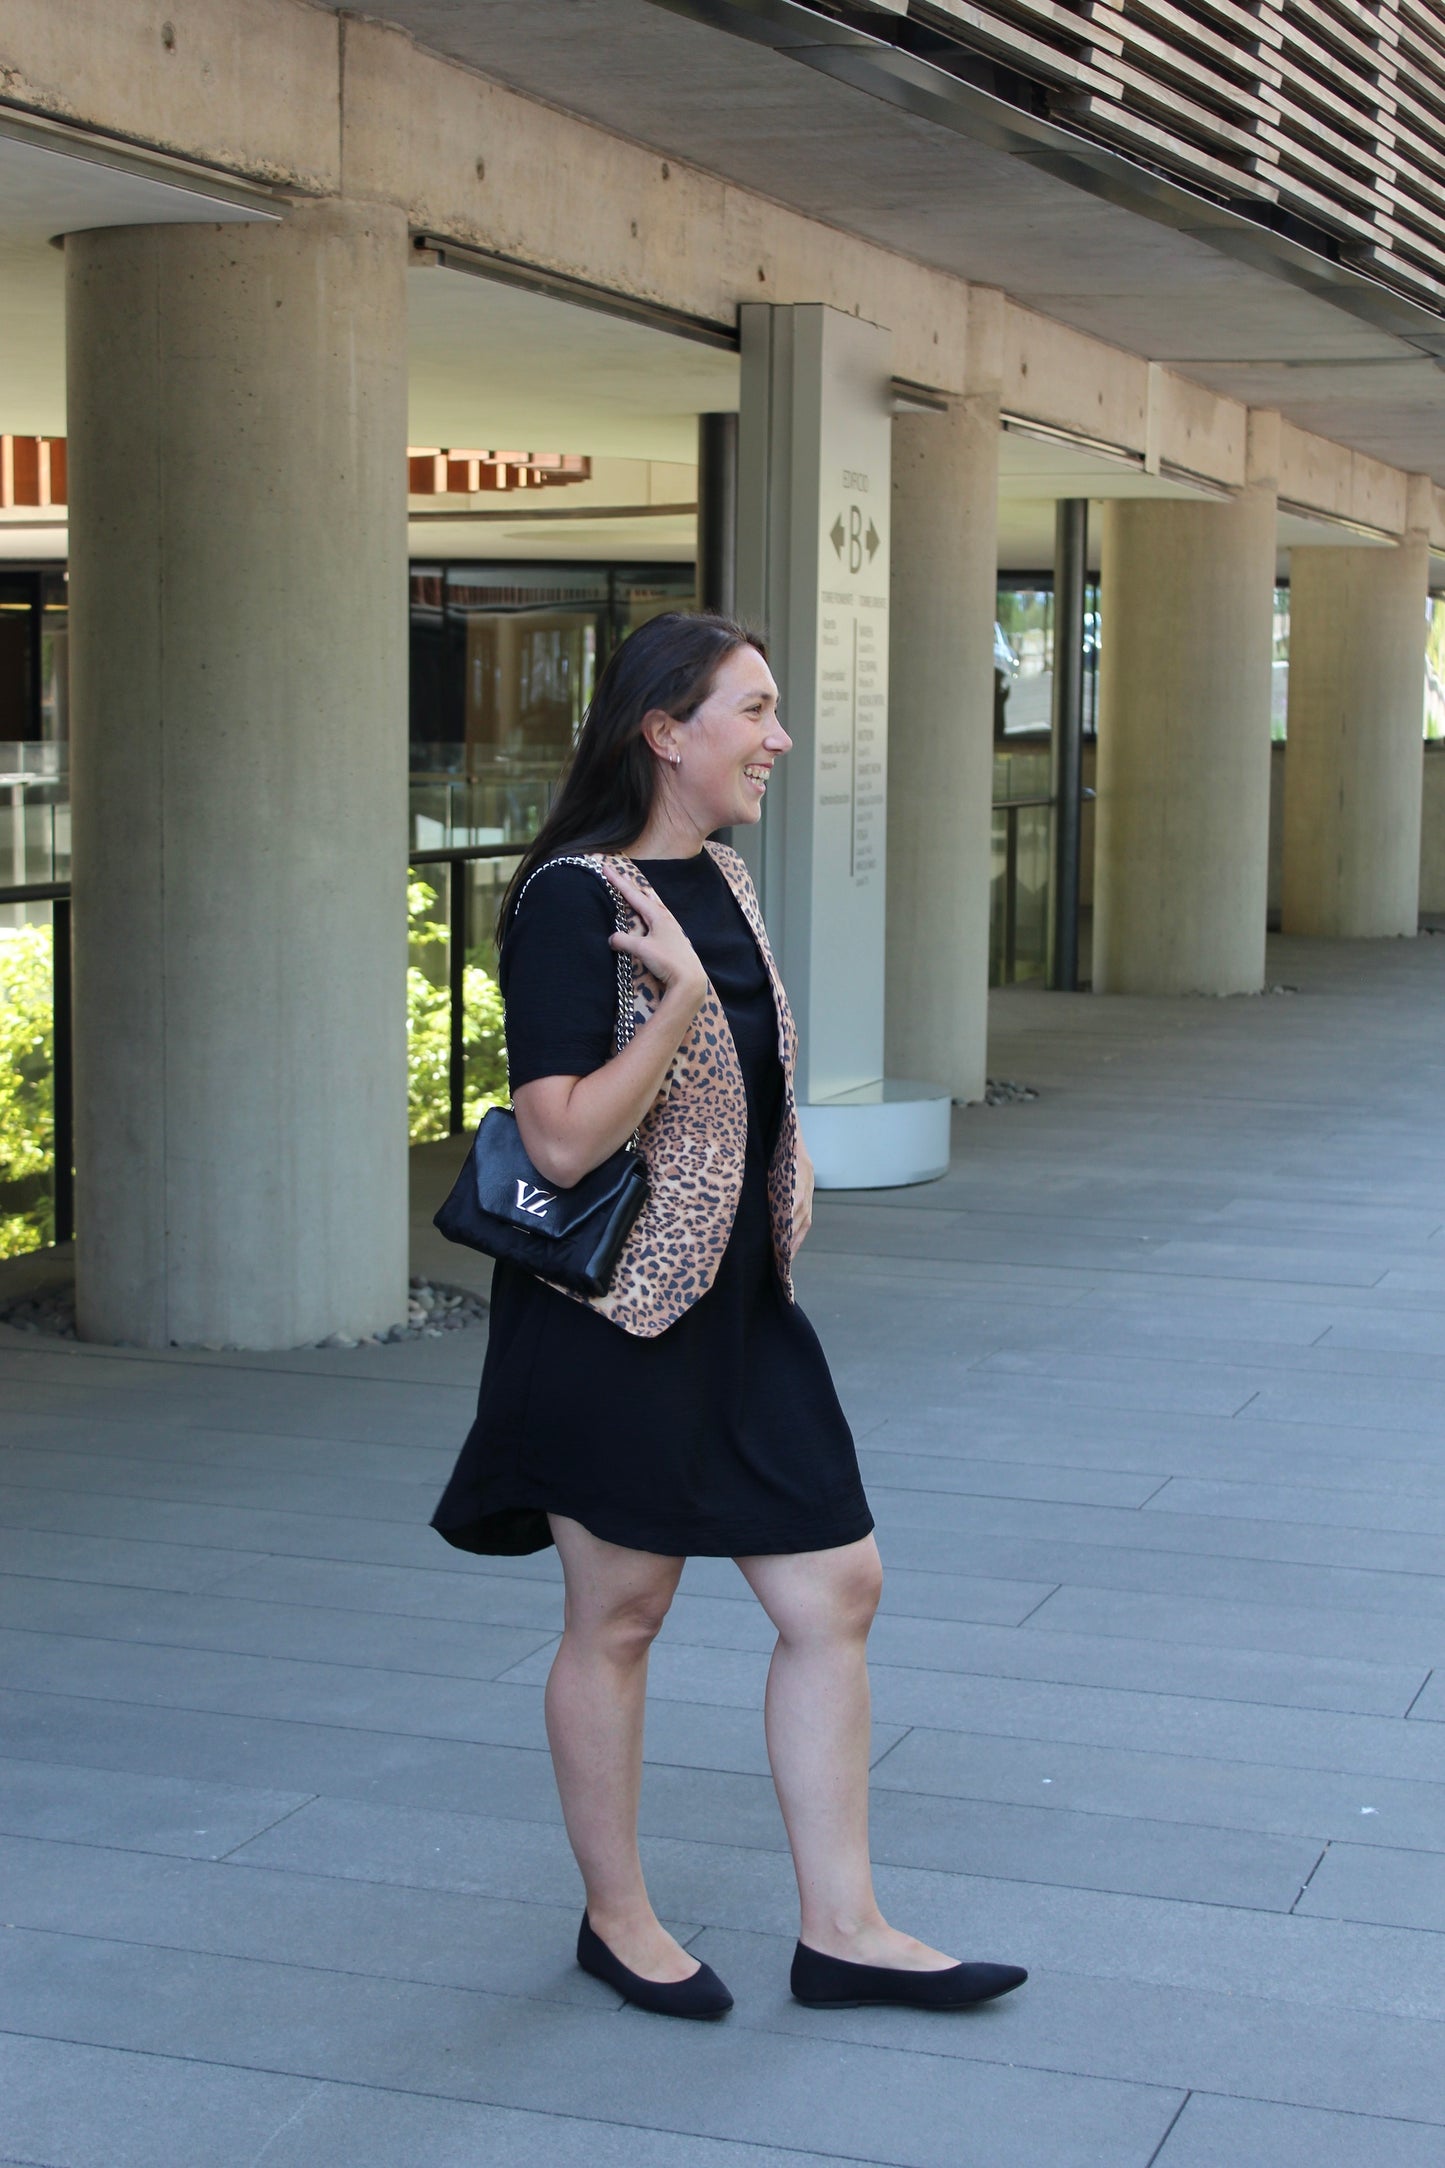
column 1019, row 878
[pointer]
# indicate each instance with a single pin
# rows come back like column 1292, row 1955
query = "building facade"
column 951, row 268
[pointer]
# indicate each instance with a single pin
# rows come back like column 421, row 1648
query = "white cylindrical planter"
column 1354, row 764
column 237, row 427
column 1182, row 836
column 940, row 755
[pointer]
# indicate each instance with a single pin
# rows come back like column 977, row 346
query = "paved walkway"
column 1149, row 1395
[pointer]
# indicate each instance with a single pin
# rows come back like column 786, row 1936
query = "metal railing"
column 458, row 928
column 57, row 894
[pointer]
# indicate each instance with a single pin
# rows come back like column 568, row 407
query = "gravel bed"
column 1003, row 1092
column 432, row 1308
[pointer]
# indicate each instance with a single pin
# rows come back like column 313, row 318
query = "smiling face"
column 716, row 765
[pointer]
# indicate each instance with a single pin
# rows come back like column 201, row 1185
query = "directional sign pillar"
column 813, row 571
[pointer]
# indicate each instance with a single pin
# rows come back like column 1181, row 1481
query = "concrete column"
column 1182, row 853
column 237, row 426
column 1354, row 763
column 940, row 756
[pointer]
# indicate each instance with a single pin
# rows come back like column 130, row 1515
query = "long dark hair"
column 608, row 786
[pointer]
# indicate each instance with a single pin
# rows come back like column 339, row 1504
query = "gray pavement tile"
column 130, row 1440
column 1172, row 1389
column 985, row 1599
column 115, row 1560
column 1116, row 1934
column 1087, row 1715
column 1141, row 1671
column 1044, row 1650
column 1349, row 1223
column 369, row 1699
column 904, row 1470
column 1288, row 1680
column 220, row 1527
column 1110, row 1934
column 354, row 1841
column 82, row 2107
column 1398, row 1555
column 1430, row 1707
column 1374, row 1882
column 1124, row 1852
column 1032, row 1843
column 1246, row 1323
column 1395, row 1331
column 134, row 1812
column 1307, row 1503
column 1247, row 1561
column 72, row 2106
column 384, row 1929
column 888, row 2105
column 323, row 1754
column 1288, row 1629
column 1220, row 1794
column 447, row 1648
column 1339, row 1400
column 240, row 1395
column 122, row 1475
column 1160, row 1445
column 1414, row 1280
column 1186, row 2037
column 1211, row 2131
column 344, row 2126
column 476, row 1595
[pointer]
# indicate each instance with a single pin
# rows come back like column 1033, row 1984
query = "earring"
column 677, row 760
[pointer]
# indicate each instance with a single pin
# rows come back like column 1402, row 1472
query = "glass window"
column 504, row 658
column 1023, row 656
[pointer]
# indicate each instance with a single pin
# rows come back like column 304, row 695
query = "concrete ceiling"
column 48, row 189
column 841, row 154
column 493, row 365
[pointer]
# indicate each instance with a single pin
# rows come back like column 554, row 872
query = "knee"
column 625, row 1630
column 843, row 1608
column 859, row 1594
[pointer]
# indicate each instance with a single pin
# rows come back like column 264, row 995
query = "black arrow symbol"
column 835, row 534
column 873, row 539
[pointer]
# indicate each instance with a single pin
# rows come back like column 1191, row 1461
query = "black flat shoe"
column 833, row 1983
column 702, row 1994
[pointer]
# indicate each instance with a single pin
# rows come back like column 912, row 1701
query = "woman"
column 689, row 1410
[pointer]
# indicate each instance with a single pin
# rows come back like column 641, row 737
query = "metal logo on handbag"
column 500, row 1204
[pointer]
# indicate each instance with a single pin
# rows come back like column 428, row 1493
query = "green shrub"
column 27, row 1108
column 27, row 1121
column 428, row 1012
column 27, row 1114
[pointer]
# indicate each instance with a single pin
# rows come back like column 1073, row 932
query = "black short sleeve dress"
column 723, row 1436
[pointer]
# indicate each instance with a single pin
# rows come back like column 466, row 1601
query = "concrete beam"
column 315, row 103
column 251, row 86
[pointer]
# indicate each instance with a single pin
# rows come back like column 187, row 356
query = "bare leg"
column 822, row 1603
column 616, row 1602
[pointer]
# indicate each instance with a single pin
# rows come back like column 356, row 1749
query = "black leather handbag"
column 501, row 1205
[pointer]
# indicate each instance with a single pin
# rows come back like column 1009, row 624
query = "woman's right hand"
column 570, row 1124
column 659, row 943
